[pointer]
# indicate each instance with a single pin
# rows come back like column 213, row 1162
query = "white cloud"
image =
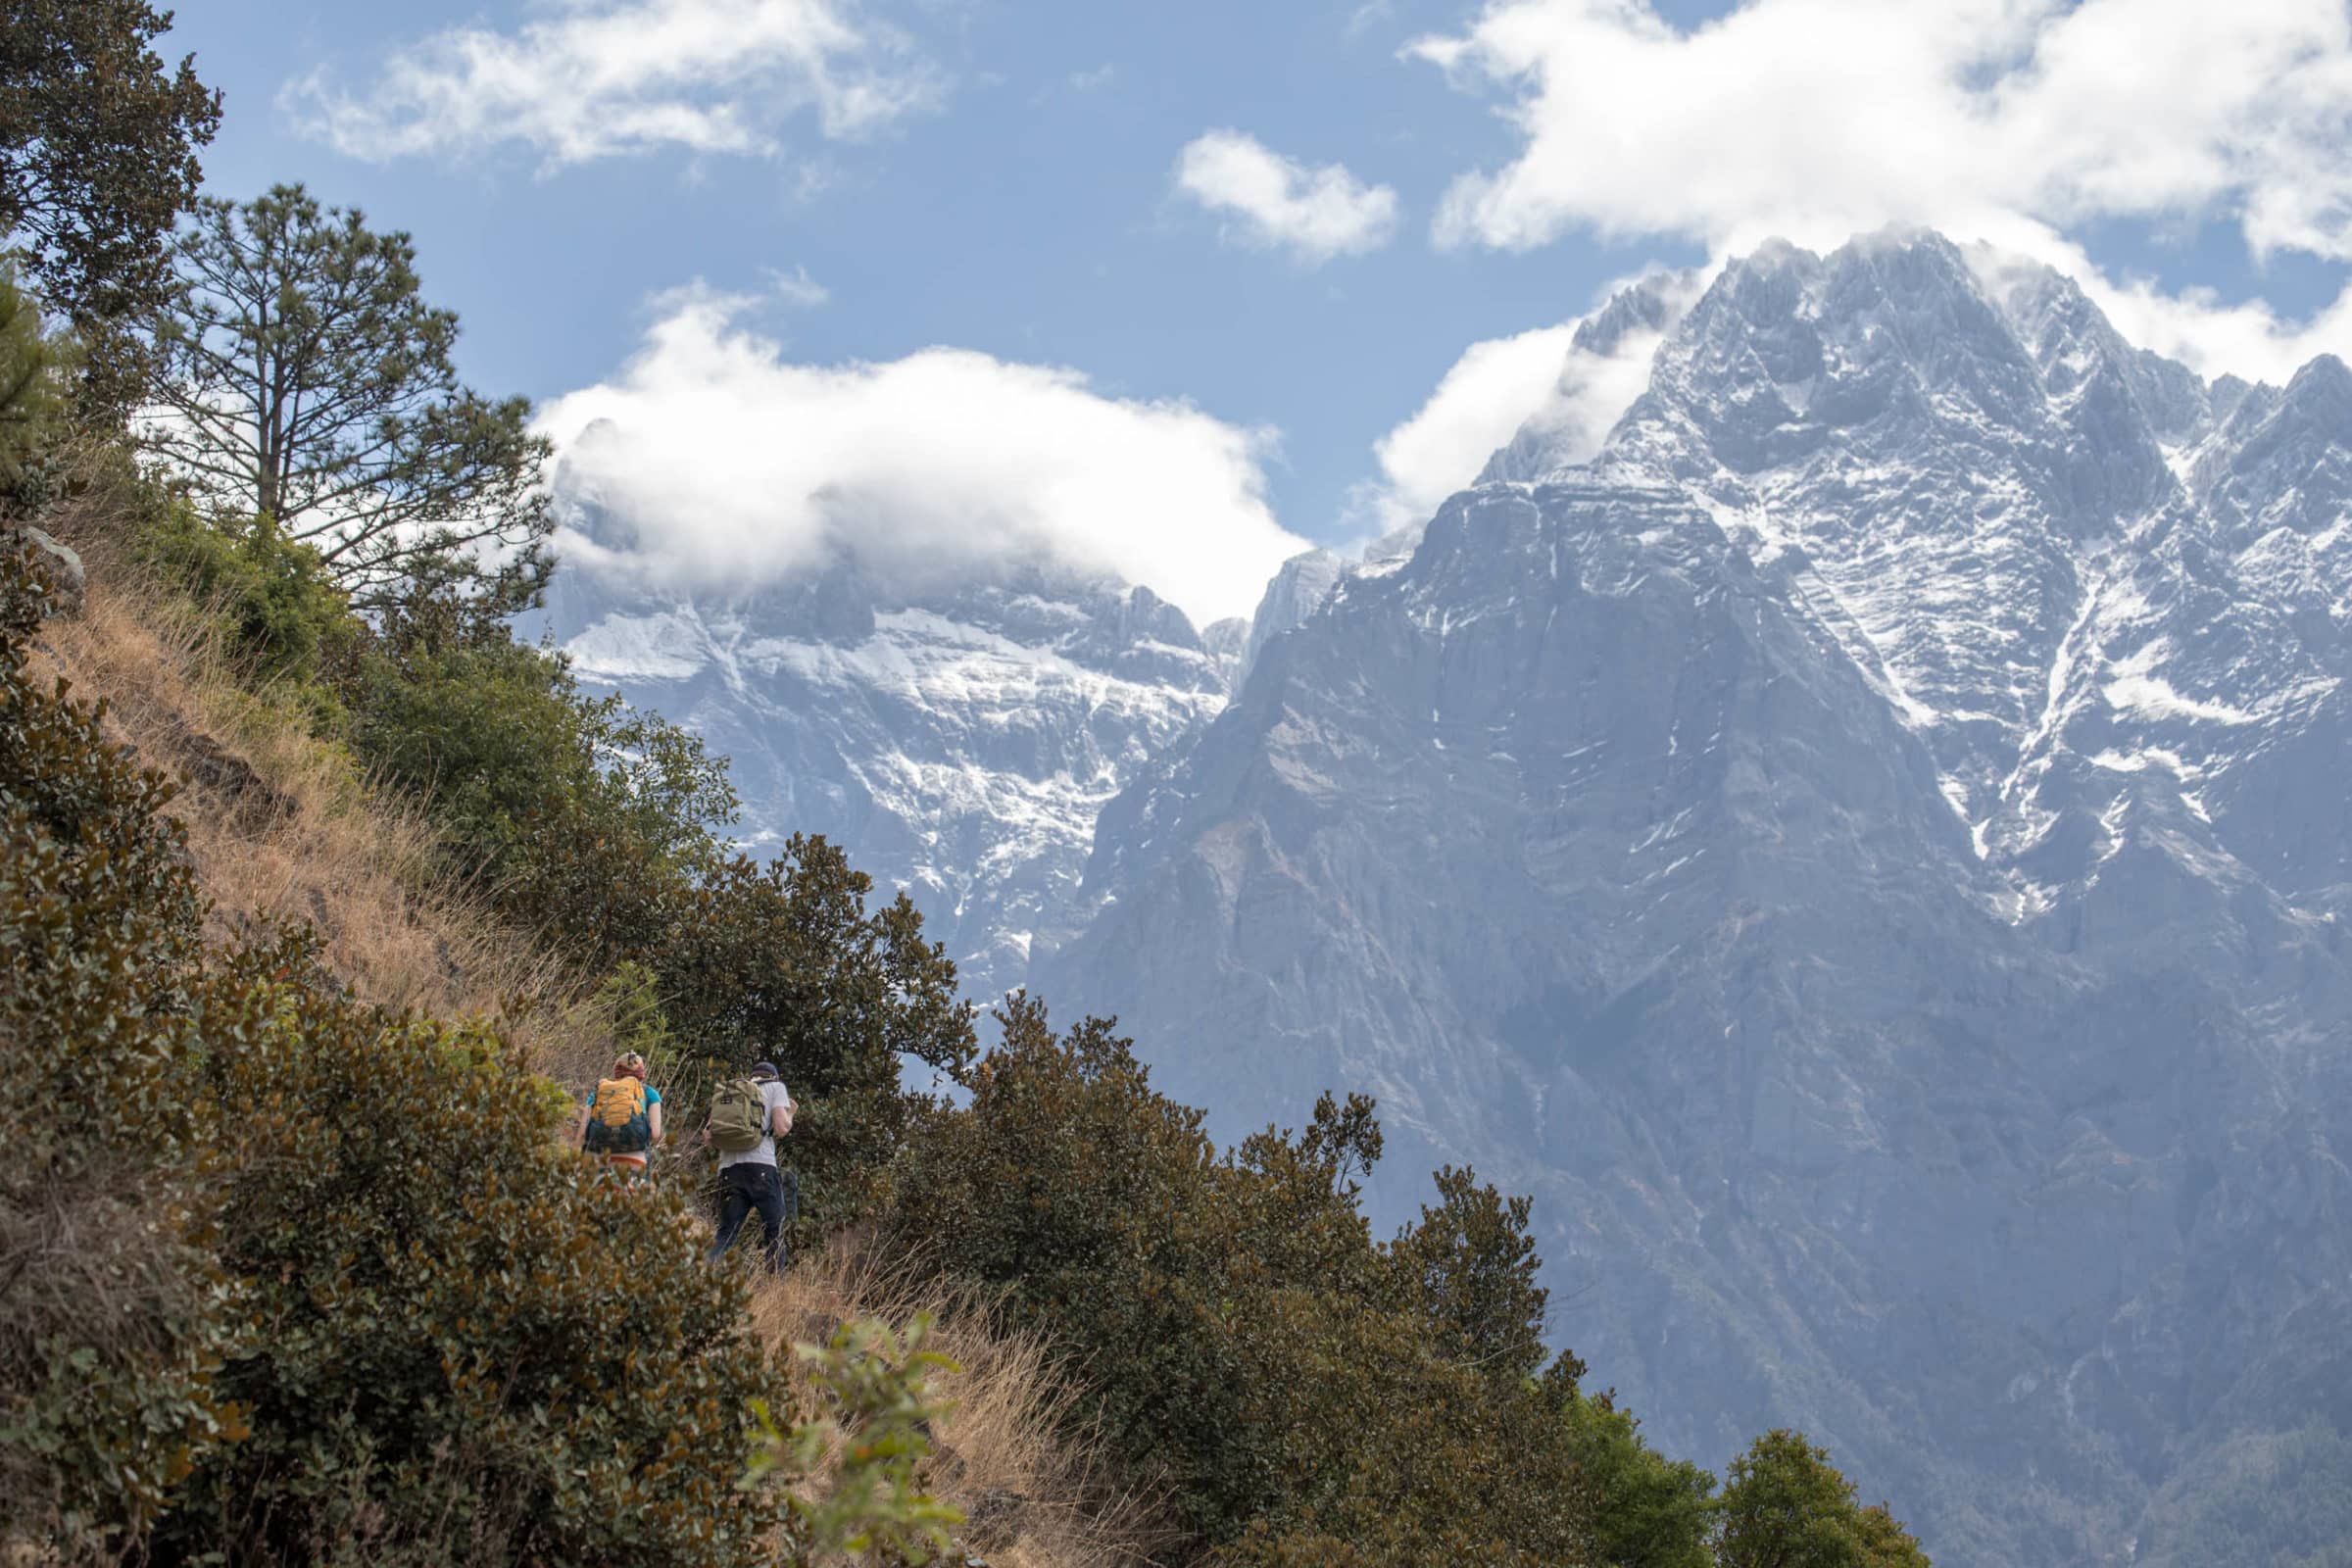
column 1315, row 213
column 797, row 287
column 1478, row 405
column 1791, row 115
column 2010, row 120
column 1567, row 397
column 724, row 464
column 597, row 78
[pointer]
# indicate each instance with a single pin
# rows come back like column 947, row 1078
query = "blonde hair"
column 629, row 1065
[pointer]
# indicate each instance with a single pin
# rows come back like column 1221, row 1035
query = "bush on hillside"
column 587, row 823
column 1784, row 1506
column 1243, row 1338
column 465, row 1346
column 875, row 1408
column 109, row 1307
column 36, row 371
column 1086, row 1199
column 786, row 962
column 1649, row 1511
column 1469, row 1267
column 500, row 740
column 280, row 618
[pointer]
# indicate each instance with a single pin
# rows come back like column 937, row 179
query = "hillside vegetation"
column 320, row 899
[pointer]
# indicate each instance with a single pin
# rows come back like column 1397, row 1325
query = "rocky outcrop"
column 59, row 565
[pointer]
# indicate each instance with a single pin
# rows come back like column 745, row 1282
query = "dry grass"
column 282, row 828
column 279, row 827
column 1032, row 1497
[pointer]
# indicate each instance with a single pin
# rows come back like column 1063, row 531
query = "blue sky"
column 1003, row 179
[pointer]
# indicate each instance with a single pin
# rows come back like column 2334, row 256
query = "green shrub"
column 459, row 1337
column 785, row 962
column 1469, row 1267
column 1086, row 1199
column 871, row 1428
column 583, row 816
column 1242, row 1340
column 284, row 620
column 1649, row 1511
column 36, row 378
column 110, row 1308
column 1784, row 1506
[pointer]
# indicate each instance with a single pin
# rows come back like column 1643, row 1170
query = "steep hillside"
column 281, row 826
column 282, row 832
column 1868, row 851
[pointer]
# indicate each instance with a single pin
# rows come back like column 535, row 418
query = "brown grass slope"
column 284, row 831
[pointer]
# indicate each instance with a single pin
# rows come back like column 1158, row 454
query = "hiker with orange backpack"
column 622, row 1120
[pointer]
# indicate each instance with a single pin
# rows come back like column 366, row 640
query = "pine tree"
column 307, row 381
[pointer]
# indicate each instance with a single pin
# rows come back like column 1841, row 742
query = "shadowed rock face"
column 1871, row 852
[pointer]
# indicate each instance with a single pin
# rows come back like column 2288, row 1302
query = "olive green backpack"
column 738, row 1116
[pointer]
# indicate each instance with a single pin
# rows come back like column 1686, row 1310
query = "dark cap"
column 763, row 1070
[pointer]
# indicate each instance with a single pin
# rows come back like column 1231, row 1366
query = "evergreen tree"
column 307, row 381
column 1886, row 1544
column 1648, row 1511
column 1786, row 1506
column 33, row 389
column 97, row 161
column 1471, row 1266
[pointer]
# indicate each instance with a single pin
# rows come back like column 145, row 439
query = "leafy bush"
column 1786, row 1506
column 1086, row 1198
column 110, row 1306
column 1243, row 1338
column 1649, row 1511
column 1469, row 1267
column 870, row 1431
column 786, row 962
column 461, row 1344
column 585, row 816
column 36, row 368
column 283, row 620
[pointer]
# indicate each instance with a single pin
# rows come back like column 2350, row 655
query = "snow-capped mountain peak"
column 959, row 745
column 1868, row 848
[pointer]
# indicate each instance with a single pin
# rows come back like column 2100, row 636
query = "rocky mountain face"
column 1870, row 851
column 959, row 745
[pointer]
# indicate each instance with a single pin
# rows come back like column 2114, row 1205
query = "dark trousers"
column 743, row 1187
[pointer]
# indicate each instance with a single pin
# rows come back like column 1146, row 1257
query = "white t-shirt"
column 773, row 1093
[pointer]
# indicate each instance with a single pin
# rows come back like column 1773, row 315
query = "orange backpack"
column 618, row 1123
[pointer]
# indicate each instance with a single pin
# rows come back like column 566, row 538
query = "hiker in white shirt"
column 752, row 1179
